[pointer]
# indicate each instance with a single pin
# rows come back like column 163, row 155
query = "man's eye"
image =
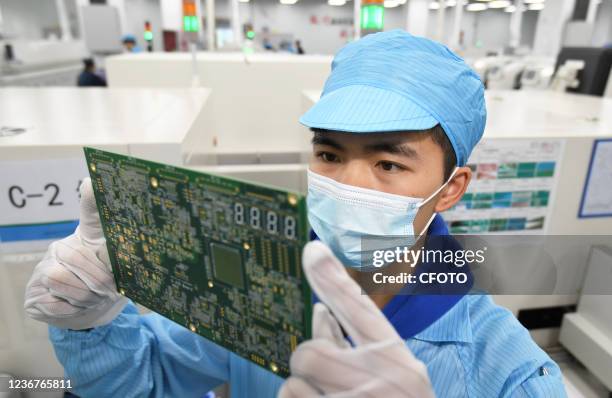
column 390, row 166
column 328, row 157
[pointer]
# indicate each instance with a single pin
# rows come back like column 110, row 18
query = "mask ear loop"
column 429, row 198
column 437, row 191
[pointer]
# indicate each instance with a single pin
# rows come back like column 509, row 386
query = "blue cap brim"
column 366, row 109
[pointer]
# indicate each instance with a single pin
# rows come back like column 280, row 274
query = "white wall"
column 602, row 32
column 528, row 27
column 27, row 19
column 492, row 29
column 484, row 31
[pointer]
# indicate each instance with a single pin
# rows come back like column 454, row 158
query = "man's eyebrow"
column 393, row 148
column 323, row 140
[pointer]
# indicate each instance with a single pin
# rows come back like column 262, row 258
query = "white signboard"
column 38, row 197
column 512, row 187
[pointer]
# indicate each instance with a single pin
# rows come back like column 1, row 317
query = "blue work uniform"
column 471, row 347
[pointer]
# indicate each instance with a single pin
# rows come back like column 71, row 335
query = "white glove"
column 73, row 286
column 379, row 365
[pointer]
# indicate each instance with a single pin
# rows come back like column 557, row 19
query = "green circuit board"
column 218, row 256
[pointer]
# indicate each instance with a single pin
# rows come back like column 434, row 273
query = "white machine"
column 608, row 92
column 41, row 63
column 484, row 66
column 255, row 101
column 567, row 75
column 587, row 333
column 537, row 73
column 517, row 72
column 252, row 130
column 505, row 77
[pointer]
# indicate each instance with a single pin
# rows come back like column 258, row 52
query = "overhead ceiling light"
column 533, row 1
column 402, row 1
column 499, row 4
column 451, row 3
column 243, row 1
column 289, row 2
column 476, row 7
column 336, row 2
column 510, row 9
column 536, row 7
column 391, row 3
column 434, row 5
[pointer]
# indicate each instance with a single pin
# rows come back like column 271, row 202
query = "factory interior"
column 219, row 86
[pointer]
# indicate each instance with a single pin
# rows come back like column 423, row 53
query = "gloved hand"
column 73, row 286
column 379, row 364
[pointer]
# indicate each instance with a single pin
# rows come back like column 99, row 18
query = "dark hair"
column 88, row 63
column 438, row 136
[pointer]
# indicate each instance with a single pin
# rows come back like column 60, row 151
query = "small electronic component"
column 219, row 256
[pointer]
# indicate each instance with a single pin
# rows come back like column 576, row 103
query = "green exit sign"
column 190, row 23
column 372, row 17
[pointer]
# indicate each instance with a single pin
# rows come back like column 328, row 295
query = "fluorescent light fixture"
column 510, row 9
column 288, row 2
column 476, row 7
column 402, row 1
column 391, row 3
column 336, row 2
column 243, row 1
column 536, row 7
column 435, row 5
column 533, row 1
column 499, row 4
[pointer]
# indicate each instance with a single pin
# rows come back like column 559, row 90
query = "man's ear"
column 455, row 189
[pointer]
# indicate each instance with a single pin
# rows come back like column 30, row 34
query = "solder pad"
column 218, row 256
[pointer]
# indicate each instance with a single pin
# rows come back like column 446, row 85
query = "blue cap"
column 128, row 38
column 394, row 81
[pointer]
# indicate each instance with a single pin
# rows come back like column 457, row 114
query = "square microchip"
column 219, row 256
column 227, row 265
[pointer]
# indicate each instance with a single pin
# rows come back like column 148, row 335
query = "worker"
column 130, row 45
column 88, row 77
column 396, row 122
column 298, row 48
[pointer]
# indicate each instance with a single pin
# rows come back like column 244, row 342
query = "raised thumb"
column 90, row 229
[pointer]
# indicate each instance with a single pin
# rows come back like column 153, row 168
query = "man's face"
column 401, row 163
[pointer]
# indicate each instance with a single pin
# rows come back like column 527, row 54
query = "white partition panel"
column 255, row 102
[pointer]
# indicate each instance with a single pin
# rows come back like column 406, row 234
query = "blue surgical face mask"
column 341, row 215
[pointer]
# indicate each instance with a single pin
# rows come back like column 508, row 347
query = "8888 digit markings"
column 219, row 256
